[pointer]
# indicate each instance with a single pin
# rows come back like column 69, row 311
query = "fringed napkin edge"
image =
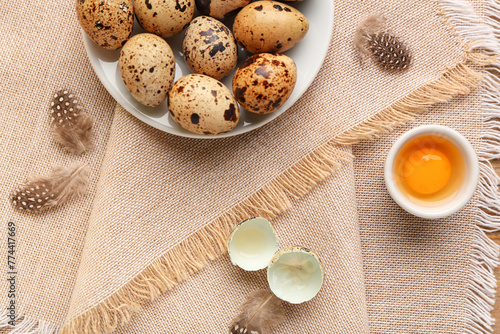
column 482, row 33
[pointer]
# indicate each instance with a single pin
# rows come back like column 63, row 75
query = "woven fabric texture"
column 324, row 220
column 41, row 53
column 417, row 271
column 185, row 184
column 150, row 192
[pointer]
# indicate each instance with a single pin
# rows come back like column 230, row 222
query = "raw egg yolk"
column 427, row 171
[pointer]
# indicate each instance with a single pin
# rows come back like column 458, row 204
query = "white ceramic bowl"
column 463, row 195
column 308, row 55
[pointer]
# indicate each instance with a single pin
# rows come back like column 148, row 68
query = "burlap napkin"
column 326, row 221
column 427, row 276
column 159, row 207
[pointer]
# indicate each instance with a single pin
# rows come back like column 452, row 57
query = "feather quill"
column 71, row 125
column 261, row 311
column 44, row 192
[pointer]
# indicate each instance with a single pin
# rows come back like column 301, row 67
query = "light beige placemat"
column 420, row 275
column 41, row 52
column 324, row 220
column 426, row 276
column 160, row 207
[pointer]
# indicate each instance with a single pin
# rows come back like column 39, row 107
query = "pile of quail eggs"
column 199, row 102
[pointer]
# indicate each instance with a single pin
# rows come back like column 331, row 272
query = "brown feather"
column 390, row 52
column 72, row 126
column 44, row 192
column 261, row 311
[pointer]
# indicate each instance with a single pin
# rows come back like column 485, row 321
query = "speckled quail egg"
column 264, row 82
column 108, row 23
column 209, row 47
column 164, row 17
column 203, row 105
column 147, row 67
column 295, row 274
column 219, row 8
column 269, row 26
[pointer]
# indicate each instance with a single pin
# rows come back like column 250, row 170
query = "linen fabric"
column 324, row 220
column 41, row 52
column 417, row 271
column 185, row 184
column 149, row 191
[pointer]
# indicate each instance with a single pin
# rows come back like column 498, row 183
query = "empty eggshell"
column 108, row 23
column 269, row 26
column 209, row 47
column 264, row 82
column 147, row 67
column 203, row 105
column 252, row 244
column 164, row 17
column 219, row 8
column 295, row 274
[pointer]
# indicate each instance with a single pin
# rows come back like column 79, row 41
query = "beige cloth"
column 151, row 191
column 171, row 195
column 324, row 220
column 41, row 52
column 417, row 271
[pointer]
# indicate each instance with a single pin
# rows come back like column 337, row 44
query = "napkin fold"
column 160, row 208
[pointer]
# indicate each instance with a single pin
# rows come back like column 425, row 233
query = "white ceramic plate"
column 308, row 55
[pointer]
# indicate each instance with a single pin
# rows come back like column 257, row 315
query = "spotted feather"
column 72, row 126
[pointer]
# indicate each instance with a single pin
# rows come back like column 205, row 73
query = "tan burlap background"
column 160, row 207
column 418, row 272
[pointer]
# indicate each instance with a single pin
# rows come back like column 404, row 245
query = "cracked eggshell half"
column 252, row 244
column 295, row 274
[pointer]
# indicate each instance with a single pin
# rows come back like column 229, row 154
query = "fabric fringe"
column 25, row 325
column 482, row 284
column 457, row 80
column 193, row 253
column 482, row 33
column 470, row 28
column 485, row 253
